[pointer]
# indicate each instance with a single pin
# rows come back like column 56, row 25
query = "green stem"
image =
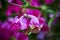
column 51, row 20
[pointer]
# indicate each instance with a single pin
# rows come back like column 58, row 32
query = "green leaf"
column 24, row 1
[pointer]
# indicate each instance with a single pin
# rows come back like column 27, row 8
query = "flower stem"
column 51, row 20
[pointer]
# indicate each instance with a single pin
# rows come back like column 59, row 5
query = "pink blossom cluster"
column 27, row 20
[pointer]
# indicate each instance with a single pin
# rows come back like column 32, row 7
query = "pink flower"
column 4, row 34
column 34, row 21
column 42, row 20
column 7, row 34
column 14, row 25
column 10, row 24
column 24, row 22
column 34, row 12
column 10, row 1
column 13, row 8
column 37, row 14
column 48, row 2
column 45, row 28
column 35, row 3
column 28, row 20
column 15, row 1
column 21, row 36
column 10, row 28
column 32, row 18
